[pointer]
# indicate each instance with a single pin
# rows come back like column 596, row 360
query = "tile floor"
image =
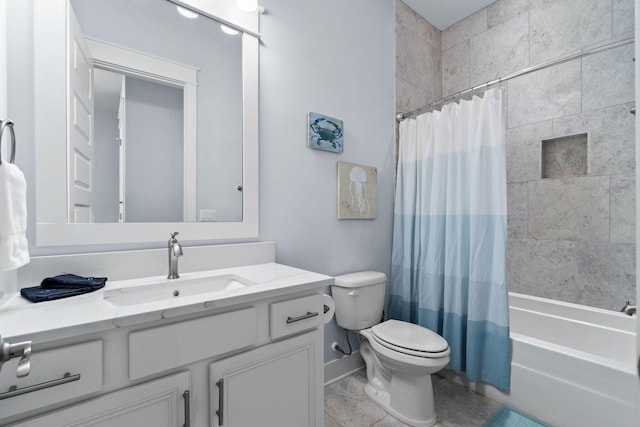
column 346, row 405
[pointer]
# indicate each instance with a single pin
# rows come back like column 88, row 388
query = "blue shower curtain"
column 449, row 236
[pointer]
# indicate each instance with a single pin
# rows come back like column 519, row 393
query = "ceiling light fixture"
column 247, row 5
column 186, row 12
column 229, row 30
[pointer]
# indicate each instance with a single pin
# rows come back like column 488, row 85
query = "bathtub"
column 571, row 365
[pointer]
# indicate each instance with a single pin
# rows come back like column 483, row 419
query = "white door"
column 79, row 123
column 122, row 126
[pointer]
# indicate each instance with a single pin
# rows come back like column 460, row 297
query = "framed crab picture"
column 325, row 133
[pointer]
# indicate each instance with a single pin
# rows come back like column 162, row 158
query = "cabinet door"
column 279, row 384
column 156, row 403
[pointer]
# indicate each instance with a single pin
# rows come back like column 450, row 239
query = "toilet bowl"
column 400, row 357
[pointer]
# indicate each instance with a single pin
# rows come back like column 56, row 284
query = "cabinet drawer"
column 166, row 347
column 78, row 367
column 299, row 314
column 159, row 403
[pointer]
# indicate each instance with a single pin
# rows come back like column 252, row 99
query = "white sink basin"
column 166, row 289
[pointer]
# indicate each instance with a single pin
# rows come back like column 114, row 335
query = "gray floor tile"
column 330, row 422
column 346, row 405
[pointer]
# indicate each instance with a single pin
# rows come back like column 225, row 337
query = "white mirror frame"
column 50, row 113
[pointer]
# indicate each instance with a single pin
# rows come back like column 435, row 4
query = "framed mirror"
column 160, row 129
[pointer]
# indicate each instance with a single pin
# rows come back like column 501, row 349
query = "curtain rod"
column 403, row 116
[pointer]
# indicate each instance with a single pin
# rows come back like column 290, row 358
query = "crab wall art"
column 325, row 133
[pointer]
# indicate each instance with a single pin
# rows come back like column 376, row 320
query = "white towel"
column 14, row 249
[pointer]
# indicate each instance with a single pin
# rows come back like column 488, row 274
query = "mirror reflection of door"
column 149, row 44
column 80, row 153
column 138, row 141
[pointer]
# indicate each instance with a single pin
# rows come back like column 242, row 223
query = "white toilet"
column 400, row 356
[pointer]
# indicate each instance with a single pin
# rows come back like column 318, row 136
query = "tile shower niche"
column 564, row 156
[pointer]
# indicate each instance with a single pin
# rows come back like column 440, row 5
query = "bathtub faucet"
column 629, row 309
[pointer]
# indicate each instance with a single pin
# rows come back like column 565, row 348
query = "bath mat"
column 507, row 417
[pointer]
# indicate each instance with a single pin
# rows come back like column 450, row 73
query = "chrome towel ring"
column 8, row 124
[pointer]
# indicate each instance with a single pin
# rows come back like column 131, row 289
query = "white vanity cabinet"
column 256, row 363
column 274, row 385
column 159, row 403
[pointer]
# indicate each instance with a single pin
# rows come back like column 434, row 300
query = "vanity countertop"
column 90, row 313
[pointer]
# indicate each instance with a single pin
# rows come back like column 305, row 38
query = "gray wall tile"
column 562, row 27
column 402, row 52
column 405, row 16
column 623, row 208
column 523, row 161
column 570, row 209
column 589, row 273
column 623, row 11
column 429, row 33
column 503, row 10
column 544, row 268
column 546, row 94
column 455, row 69
column 606, row 273
column 465, row 29
column 523, row 151
column 611, row 138
column 608, row 78
column 517, row 205
column 408, row 96
column 500, row 51
column 418, row 60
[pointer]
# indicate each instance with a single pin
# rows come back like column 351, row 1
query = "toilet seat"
column 410, row 339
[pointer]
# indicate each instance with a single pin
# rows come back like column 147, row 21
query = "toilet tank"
column 359, row 299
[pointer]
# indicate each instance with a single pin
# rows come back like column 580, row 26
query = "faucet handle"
column 11, row 351
column 24, row 364
column 174, row 234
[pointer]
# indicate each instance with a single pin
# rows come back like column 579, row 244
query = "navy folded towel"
column 73, row 281
column 63, row 286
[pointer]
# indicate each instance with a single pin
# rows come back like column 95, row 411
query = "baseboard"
column 340, row 368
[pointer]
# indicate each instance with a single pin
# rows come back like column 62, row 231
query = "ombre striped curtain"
column 449, row 236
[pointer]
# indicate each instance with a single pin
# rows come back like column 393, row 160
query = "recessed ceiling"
column 443, row 14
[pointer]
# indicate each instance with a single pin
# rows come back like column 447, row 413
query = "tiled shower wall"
column 418, row 60
column 571, row 236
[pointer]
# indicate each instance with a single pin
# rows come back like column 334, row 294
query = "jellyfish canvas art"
column 357, row 191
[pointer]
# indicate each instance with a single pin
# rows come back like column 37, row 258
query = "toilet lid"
column 410, row 337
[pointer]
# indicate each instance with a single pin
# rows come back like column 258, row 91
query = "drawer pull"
column 220, row 411
column 303, row 317
column 187, row 408
column 15, row 391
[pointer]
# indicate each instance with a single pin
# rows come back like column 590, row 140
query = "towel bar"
column 8, row 124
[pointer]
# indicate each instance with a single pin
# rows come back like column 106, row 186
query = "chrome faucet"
column 175, row 251
column 629, row 309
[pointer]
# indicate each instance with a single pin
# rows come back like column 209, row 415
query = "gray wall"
column 154, row 165
column 105, row 173
column 336, row 60
column 571, row 238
